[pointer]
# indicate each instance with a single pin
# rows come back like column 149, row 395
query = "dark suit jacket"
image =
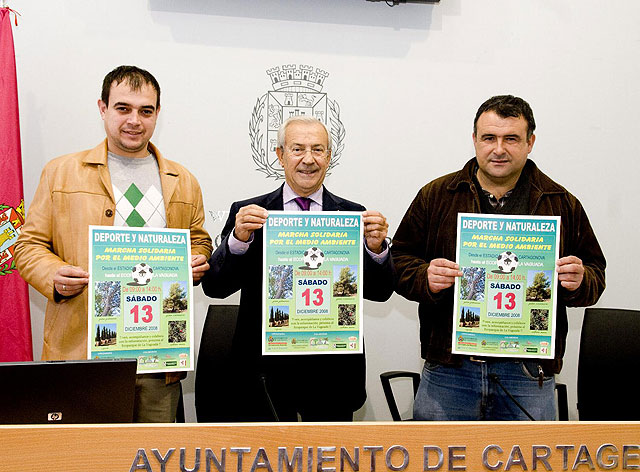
column 339, row 375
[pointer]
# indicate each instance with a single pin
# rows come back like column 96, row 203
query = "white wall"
column 408, row 80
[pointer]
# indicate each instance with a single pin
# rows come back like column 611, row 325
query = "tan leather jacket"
column 75, row 191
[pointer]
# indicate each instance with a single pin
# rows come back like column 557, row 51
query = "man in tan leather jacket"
column 75, row 191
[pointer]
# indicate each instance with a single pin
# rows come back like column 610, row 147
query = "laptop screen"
column 64, row 392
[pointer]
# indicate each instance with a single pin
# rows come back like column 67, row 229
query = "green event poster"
column 505, row 301
column 140, row 297
column 312, row 283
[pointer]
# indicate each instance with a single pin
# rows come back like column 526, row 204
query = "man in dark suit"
column 315, row 387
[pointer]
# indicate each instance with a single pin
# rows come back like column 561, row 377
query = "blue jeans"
column 471, row 392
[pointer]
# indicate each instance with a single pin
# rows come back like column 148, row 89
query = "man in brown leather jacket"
column 500, row 179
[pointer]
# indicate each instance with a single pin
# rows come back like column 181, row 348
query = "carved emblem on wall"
column 296, row 91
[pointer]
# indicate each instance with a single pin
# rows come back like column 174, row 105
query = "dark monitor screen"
column 64, row 392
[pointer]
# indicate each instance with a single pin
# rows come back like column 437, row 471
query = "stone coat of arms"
column 297, row 91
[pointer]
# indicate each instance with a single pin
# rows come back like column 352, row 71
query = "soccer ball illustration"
column 507, row 262
column 142, row 274
column 313, row 258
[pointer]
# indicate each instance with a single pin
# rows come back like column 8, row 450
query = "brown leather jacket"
column 428, row 231
column 74, row 192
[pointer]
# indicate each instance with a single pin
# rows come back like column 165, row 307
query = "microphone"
column 496, row 379
column 263, row 379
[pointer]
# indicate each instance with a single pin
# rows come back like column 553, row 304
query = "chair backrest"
column 607, row 365
column 386, row 378
column 213, row 360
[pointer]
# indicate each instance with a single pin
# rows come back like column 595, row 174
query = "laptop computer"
column 64, row 392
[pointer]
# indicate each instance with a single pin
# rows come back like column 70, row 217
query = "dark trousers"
column 240, row 394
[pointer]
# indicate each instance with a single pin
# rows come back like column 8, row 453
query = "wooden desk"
column 308, row 447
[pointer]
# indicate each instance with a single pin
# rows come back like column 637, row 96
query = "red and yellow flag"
column 15, row 321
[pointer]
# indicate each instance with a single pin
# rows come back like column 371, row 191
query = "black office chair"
column 386, row 377
column 607, row 365
column 214, row 363
column 562, row 401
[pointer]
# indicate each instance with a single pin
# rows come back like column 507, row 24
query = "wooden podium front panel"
column 313, row 447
